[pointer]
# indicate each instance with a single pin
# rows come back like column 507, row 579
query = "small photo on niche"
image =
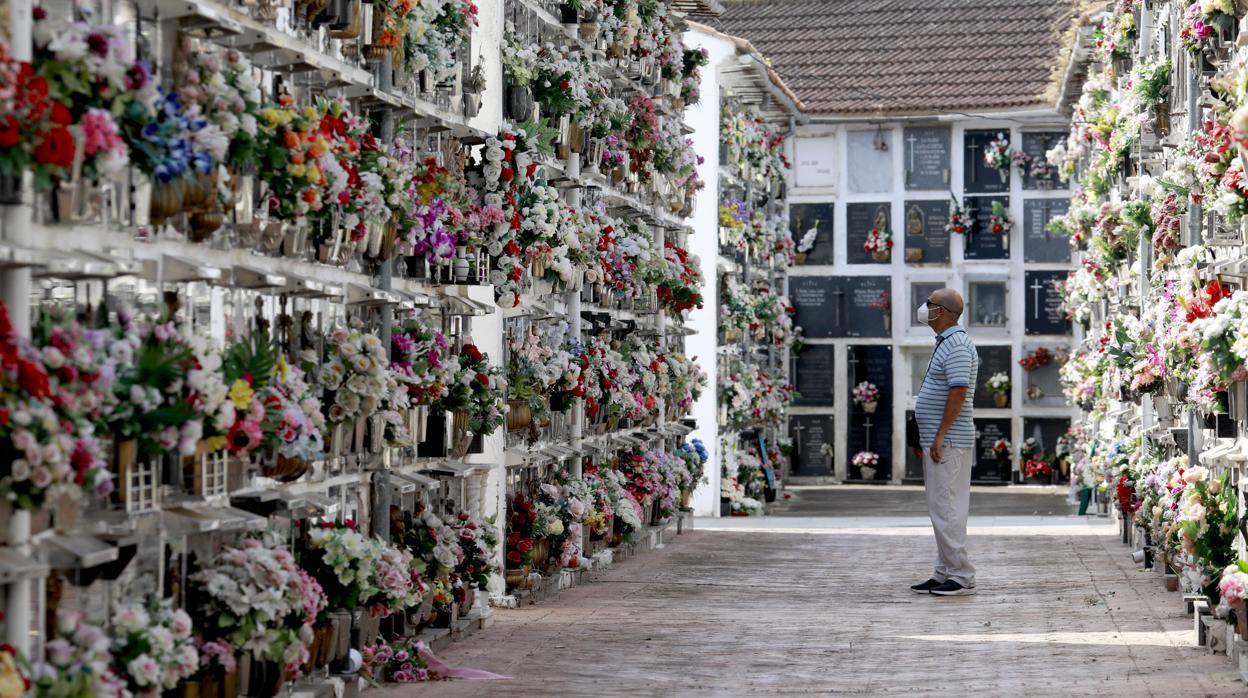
column 986, row 304
column 919, row 291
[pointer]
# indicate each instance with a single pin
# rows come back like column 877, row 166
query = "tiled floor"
column 794, row 607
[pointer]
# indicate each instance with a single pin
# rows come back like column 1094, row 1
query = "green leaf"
column 255, row 355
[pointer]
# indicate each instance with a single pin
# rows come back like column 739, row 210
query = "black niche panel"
column 1036, row 145
column 1046, row 431
column 869, row 305
column 927, row 158
column 1039, row 245
column 860, row 220
column 842, row 306
column 820, row 305
column 977, row 176
column 872, row 432
column 809, row 433
column 926, row 240
column 992, row 359
column 981, row 242
column 914, row 463
column 986, row 468
column 803, row 217
column 1043, row 312
column 814, row 375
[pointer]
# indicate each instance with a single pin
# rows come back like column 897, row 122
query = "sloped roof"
column 861, row 57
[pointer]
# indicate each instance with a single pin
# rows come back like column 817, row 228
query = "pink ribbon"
column 440, row 668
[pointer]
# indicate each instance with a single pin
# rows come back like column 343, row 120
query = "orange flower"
column 286, row 101
column 296, row 157
column 309, row 196
column 291, row 139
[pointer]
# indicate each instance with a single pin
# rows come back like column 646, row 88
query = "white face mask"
column 922, row 315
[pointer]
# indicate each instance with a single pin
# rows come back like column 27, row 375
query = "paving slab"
column 782, row 608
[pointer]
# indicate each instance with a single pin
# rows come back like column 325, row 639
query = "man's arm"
column 953, row 407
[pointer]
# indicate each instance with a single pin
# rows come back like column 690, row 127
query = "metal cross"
column 1045, row 212
column 974, row 170
column 866, row 426
column 853, row 365
column 1035, row 298
column 836, row 316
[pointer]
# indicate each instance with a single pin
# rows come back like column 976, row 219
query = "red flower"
column 32, row 379
column 10, row 131
column 513, row 557
column 471, row 351
column 60, row 114
column 507, row 174
column 56, row 147
column 4, row 416
column 512, row 249
column 483, row 379
column 525, row 545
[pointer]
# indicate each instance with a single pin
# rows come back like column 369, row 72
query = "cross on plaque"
column 836, row 317
column 1035, row 298
column 853, row 366
column 1045, row 214
column 911, row 140
column 866, row 426
column 974, row 170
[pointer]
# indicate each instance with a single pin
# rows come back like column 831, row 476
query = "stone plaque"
column 820, row 305
column 1043, row 386
column 1036, row 145
column 992, row 359
column 870, row 168
column 1043, row 312
column 869, row 306
column 860, row 220
column 981, row 242
column 873, row 432
column 804, row 217
column 1039, row 245
column 977, row 176
column 1046, row 431
column 923, row 224
column 809, row 432
column 813, row 375
column 816, row 161
column 986, row 469
column 927, row 158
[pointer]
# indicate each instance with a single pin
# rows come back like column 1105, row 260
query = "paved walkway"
column 780, row 608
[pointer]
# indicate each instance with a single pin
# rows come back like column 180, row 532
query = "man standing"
column 947, row 438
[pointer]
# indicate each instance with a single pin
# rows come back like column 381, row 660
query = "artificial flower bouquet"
column 961, row 219
column 478, row 541
column 79, row 663
column 355, row 373
column 263, row 603
column 866, row 392
column 879, row 242
column 398, row 661
column 1001, row 451
column 997, row 154
column 1208, row 520
column 1037, row 467
column 478, row 389
column 998, row 384
column 999, row 222
column 153, row 648
column 421, row 358
column 868, row 459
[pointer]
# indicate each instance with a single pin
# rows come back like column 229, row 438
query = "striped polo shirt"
column 954, row 364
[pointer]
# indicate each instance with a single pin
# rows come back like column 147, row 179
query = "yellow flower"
column 275, row 117
column 241, row 394
column 311, row 114
column 215, row 443
column 283, row 369
column 314, row 173
column 296, row 170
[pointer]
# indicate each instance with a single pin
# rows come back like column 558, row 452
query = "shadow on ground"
column 865, row 500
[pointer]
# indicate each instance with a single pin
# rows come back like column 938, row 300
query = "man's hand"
column 918, row 452
column 936, row 449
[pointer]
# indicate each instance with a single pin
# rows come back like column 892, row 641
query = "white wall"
column 703, row 118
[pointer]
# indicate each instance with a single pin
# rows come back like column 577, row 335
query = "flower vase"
column 519, row 415
column 375, row 236
column 593, row 155
column 867, row 472
column 538, row 269
column 888, row 321
column 459, row 422
column 10, row 190
column 1004, row 175
column 461, row 266
column 191, row 689
column 470, row 597
column 125, row 460
column 267, row 679
column 360, row 442
column 882, row 256
column 519, row 103
column 202, row 224
column 869, row 407
column 166, row 202
column 1005, row 241
column 515, row 578
column 1001, row 400
column 417, row 422
column 364, row 627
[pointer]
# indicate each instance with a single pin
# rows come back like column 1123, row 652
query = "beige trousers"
column 948, row 485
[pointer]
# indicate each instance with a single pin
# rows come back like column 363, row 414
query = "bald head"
column 950, row 299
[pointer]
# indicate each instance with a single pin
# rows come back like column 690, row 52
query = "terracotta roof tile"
column 906, row 56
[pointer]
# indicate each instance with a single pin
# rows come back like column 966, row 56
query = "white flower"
column 131, row 619
column 144, row 670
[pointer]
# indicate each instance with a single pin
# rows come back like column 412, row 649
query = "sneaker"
column 952, row 588
column 925, row 587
